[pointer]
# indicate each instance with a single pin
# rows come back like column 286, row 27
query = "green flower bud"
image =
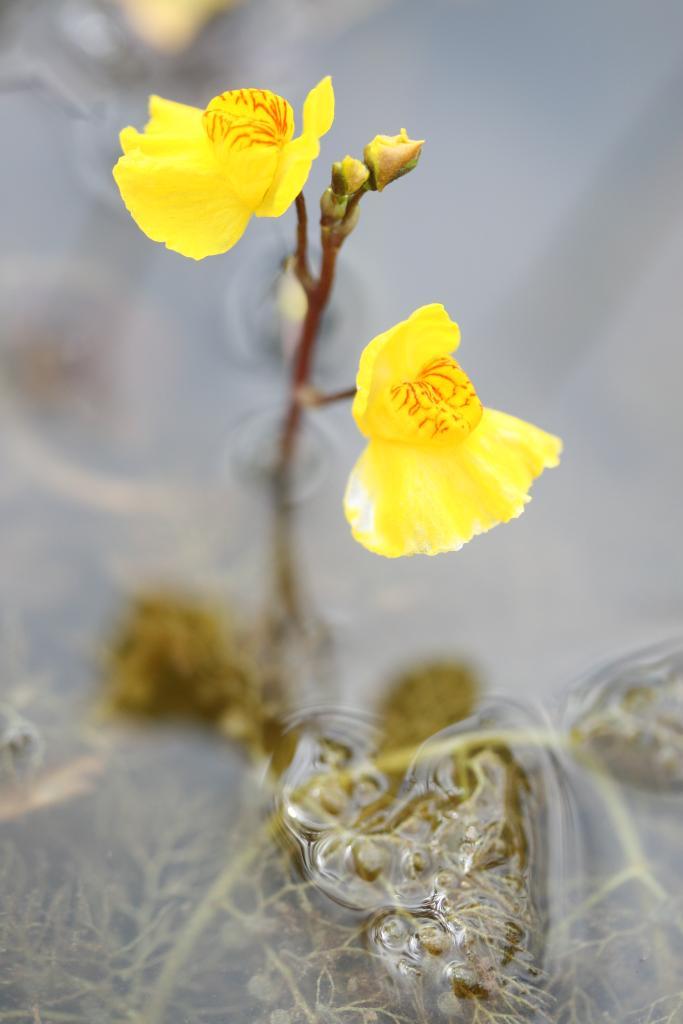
column 332, row 207
column 349, row 176
column 391, row 156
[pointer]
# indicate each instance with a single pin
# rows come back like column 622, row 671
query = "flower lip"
column 438, row 405
column 242, row 118
column 409, row 386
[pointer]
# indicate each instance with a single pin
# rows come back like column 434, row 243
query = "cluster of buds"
column 339, row 203
column 385, row 159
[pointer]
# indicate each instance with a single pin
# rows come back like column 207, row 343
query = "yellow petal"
column 290, row 177
column 174, row 118
column 407, row 499
column 298, row 155
column 155, row 143
column 251, row 173
column 398, row 355
column 172, row 127
column 319, row 109
column 176, row 194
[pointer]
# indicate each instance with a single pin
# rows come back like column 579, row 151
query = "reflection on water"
column 265, row 305
column 252, row 452
column 57, row 346
column 81, row 368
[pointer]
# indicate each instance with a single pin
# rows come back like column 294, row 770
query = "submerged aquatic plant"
column 448, row 868
column 436, row 899
column 91, row 904
column 621, row 955
column 439, row 468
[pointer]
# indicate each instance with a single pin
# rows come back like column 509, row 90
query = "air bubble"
column 368, row 789
column 434, row 939
column 415, row 863
column 392, row 933
column 369, row 859
column 464, row 981
column 331, row 796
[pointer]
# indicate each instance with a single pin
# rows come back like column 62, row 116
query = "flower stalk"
column 339, row 216
column 301, row 266
column 318, row 297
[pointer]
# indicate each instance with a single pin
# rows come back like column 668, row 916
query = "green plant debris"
column 423, row 701
column 174, row 656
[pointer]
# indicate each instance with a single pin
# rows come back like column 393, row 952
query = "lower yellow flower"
column 439, row 467
column 194, row 178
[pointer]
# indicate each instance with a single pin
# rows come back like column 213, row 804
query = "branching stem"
column 310, row 398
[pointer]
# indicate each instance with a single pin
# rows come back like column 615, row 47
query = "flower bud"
column 350, row 220
column 391, row 156
column 349, row 176
column 332, row 207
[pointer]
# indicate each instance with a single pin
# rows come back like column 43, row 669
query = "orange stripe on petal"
column 238, row 120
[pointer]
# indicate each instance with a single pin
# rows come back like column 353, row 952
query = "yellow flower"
column 171, row 24
column 194, row 178
column 439, row 467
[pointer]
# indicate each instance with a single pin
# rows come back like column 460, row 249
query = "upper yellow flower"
column 439, row 467
column 194, row 178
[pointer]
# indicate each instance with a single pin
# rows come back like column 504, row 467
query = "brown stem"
column 317, row 300
column 289, row 603
column 316, row 398
column 333, row 231
column 301, row 267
